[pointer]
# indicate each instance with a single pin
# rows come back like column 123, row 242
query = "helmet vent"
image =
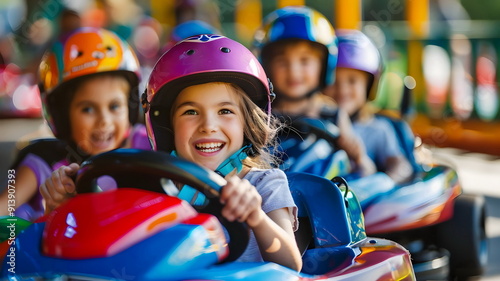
column 190, row 52
column 225, row 50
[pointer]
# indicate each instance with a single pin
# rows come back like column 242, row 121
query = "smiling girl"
column 208, row 101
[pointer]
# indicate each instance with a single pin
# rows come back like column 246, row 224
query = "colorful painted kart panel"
column 426, row 201
column 129, row 233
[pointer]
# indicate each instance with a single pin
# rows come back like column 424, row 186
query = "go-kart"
column 443, row 229
column 128, row 233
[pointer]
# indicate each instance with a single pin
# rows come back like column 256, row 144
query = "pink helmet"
column 198, row 60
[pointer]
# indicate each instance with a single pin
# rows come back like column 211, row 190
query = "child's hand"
column 347, row 138
column 59, row 187
column 242, row 201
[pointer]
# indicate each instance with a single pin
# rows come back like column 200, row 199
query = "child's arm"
column 273, row 231
column 24, row 186
column 59, row 187
column 279, row 247
column 353, row 146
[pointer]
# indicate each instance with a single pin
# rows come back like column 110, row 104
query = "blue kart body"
column 145, row 235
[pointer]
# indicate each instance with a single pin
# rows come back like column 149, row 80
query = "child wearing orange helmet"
column 89, row 87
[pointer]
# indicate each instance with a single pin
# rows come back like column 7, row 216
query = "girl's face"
column 99, row 114
column 208, row 124
column 296, row 71
column 349, row 90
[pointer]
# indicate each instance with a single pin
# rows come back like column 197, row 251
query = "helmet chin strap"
column 196, row 198
column 231, row 163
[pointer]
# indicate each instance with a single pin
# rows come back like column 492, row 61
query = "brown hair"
column 259, row 130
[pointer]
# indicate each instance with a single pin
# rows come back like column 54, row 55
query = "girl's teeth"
column 102, row 137
column 209, row 147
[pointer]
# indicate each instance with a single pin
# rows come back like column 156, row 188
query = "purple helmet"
column 198, row 60
column 357, row 51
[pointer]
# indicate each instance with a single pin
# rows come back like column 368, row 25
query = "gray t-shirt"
column 379, row 139
column 272, row 185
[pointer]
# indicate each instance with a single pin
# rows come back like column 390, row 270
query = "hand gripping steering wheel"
column 144, row 169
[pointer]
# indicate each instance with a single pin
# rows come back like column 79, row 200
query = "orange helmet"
column 84, row 52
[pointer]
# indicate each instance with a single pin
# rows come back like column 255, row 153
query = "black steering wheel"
column 323, row 129
column 144, row 169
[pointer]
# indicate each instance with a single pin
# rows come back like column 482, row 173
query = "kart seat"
column 323, row 218
column 405, row 137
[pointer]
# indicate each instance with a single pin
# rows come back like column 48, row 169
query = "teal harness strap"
column 196, row 198
column 191, row 195
column 234, row 162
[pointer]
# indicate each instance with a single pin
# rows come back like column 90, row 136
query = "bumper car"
column 137, row 232
column 443, row 228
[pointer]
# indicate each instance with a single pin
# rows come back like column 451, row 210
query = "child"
column 88, row 83
column 357, row 75
column 208, row 101
column 298, row 49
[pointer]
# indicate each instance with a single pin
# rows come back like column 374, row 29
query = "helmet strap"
column 235, row 161
column 75, row 153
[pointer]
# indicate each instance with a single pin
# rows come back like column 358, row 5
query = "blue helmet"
column 188, row 29
column 299, row 22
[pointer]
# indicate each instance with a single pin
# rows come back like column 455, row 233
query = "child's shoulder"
column 267, row 172
column 49, row 151
column 375, row 123
column 45, row 148
column 377, row 129
column 138, row 137
column 256, row 175
column 383, row 123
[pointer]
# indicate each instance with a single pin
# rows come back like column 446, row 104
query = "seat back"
column 406, row 139
column 334, row 214
column 311, row 147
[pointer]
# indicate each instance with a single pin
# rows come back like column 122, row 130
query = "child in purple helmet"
column 208, row 101
column 89, row 88
column 357, row 75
